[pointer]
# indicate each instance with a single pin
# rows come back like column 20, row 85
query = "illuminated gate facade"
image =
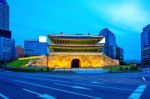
column 77, row 51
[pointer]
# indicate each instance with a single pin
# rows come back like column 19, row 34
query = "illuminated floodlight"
column 102, row 41
column 42, row 39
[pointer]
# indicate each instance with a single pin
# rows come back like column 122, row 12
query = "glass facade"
column 7, row 45
column 145, row 45
column 4, row 15
column 110, row 43
column 7, row 49
column 34, row 48
column 120, row 54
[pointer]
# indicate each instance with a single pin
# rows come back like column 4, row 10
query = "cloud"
column 129, row 15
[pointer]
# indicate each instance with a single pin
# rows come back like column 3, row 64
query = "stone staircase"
column 40, row 62
column 110, row 61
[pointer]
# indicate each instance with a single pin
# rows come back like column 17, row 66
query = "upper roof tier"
column 75, row 39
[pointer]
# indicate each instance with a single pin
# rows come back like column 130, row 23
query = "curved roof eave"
column 75, row 36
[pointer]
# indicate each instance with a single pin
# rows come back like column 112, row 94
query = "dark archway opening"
column 75, row 63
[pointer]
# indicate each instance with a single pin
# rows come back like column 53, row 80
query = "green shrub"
column 19, row 63
column 122, row 68
column 28, row 69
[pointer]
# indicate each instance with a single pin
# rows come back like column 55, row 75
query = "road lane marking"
column 100, row 80
column 95, row 82
column 57, row 89
column 45, row 96
column 62, row 77
column 79, row 83
column 138, row 92
column 75, row 87
column 79, row 87
column 3, row 96
column 106, row 79
column 144, row 78
column 59, row 81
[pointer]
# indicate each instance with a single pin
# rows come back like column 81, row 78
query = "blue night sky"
column 126, row 18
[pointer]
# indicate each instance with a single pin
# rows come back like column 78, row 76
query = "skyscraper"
column 7, row 49
column 4, row 33
column 120, row 54
column 145, row 45
column 110, row 43
column 4, row 15
column 7, row 44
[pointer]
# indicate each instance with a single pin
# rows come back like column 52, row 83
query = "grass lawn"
column 20, row 65
column 20, row 62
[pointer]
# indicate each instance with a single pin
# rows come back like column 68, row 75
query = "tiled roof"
column 75, row 36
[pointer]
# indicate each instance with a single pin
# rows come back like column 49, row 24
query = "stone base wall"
column 85, row 61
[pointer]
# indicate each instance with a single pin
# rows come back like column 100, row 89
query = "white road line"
column 95, row 82
column 79, row 87
column 99, row 80
column 79, row 83
column 107, row 80
column 75, row 87
column 3, row 96
column 45, row 96
column 59, row 81
column 57, row 89
column 144, row 78
column 138, row 92
column 62, row 77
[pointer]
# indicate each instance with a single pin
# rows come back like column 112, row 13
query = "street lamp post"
column 47, row 61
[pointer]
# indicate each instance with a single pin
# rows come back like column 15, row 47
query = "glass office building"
column 7, row 45
column 4, row 15
column 7, row 49
column 120, row 54
column 4, row 33
column 110, row 43
column 34, row 48
column 145, row 45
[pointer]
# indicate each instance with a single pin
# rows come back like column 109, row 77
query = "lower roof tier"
column 75, row 48
column 74, row 45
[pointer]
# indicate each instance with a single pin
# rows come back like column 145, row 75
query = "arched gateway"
column 75, row 63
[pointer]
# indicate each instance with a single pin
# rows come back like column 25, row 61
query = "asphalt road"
column 15, row 85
